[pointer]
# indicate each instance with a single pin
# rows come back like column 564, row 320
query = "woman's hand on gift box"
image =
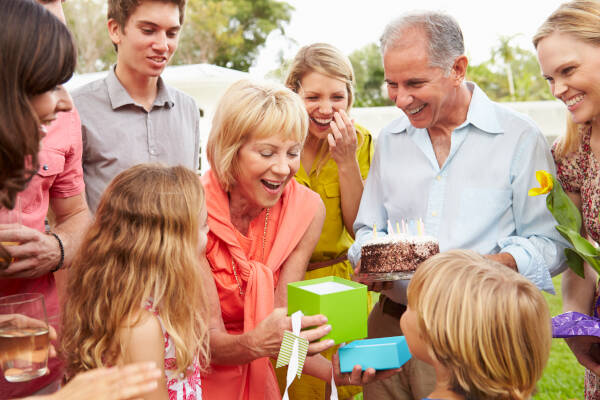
column 358, row 377
column 587, row 351
column 268, row 334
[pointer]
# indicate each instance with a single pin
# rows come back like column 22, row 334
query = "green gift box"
column 343, row 302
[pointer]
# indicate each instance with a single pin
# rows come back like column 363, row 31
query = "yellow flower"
column 546, row 183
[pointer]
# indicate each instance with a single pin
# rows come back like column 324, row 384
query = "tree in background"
column 228, row 33
column 511, row 74
column 369, row 75
column 87, row 22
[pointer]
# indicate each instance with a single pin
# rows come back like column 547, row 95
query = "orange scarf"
column 299, row 204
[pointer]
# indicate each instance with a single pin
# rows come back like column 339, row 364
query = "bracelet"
column 62, row 252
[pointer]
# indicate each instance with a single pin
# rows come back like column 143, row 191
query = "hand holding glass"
column 24, row 337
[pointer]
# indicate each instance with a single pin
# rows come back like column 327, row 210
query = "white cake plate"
column 364, row 277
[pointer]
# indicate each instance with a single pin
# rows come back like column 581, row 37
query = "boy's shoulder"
column 92, row 89
column 180, row 97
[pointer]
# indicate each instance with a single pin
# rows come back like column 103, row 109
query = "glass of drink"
column 24, row 337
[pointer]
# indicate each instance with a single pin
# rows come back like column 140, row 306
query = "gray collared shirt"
column 119, row 133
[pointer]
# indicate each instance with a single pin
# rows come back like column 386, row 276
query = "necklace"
column 264, row 242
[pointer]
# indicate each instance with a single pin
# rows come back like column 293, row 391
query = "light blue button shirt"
column 477, row 200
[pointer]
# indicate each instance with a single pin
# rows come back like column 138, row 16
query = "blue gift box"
column 380, row 353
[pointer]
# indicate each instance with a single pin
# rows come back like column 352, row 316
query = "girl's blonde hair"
column 488, row 325
column 142, row 245
column 581, row 20
column 327, row 60
column 247, row 108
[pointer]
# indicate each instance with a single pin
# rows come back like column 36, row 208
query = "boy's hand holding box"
column 380, row 353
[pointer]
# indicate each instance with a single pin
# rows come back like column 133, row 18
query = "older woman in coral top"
column 263, row 229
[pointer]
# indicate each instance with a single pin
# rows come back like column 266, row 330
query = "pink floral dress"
column 579, row 172
column 179, row 386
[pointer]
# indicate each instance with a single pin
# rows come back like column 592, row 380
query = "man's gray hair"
column 445, row 37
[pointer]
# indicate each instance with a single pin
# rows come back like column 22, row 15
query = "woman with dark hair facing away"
column 37, row 54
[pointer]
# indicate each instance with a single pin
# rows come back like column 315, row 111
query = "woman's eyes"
column 334, row 98
column 294, row 153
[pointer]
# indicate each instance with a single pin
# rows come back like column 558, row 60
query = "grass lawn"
column 563, row 377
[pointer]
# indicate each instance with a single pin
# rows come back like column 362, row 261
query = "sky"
column 351, row 24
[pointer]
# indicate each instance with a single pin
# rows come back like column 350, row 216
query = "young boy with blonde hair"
column 483, row 327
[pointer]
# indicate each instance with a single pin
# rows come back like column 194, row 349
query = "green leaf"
column 581, row 246
column 575, row 261
column 562, row 208
column 578, row 242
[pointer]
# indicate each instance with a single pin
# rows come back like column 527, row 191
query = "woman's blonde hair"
column 252, row 109
column 488, row 325
column 143, row 245
column 570, row 141
column 327, row 60
column 581, row 20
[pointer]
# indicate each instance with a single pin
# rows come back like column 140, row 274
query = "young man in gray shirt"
column 131, row 116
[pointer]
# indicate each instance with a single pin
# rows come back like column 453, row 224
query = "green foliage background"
column 228, row 33
column 518, row 63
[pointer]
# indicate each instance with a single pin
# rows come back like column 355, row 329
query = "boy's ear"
column 114, row 31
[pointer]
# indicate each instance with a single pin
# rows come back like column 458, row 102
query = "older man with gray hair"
column 460, row 162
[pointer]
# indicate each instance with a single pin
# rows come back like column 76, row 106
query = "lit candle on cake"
column 420, row 227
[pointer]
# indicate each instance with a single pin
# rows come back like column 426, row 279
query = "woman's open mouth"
column 272, row 186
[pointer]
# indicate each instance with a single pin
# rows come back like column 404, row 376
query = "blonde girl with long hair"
column 568, row 49
column 335, row 161
column 483, row 327
column 134, row 291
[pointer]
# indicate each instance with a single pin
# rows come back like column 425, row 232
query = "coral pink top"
column 288, row 221
column 60, row 176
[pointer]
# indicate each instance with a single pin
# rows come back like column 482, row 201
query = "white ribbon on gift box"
column 298, row 354
column 297, row 357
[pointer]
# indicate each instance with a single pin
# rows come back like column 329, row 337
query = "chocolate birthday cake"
column 397, row 252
